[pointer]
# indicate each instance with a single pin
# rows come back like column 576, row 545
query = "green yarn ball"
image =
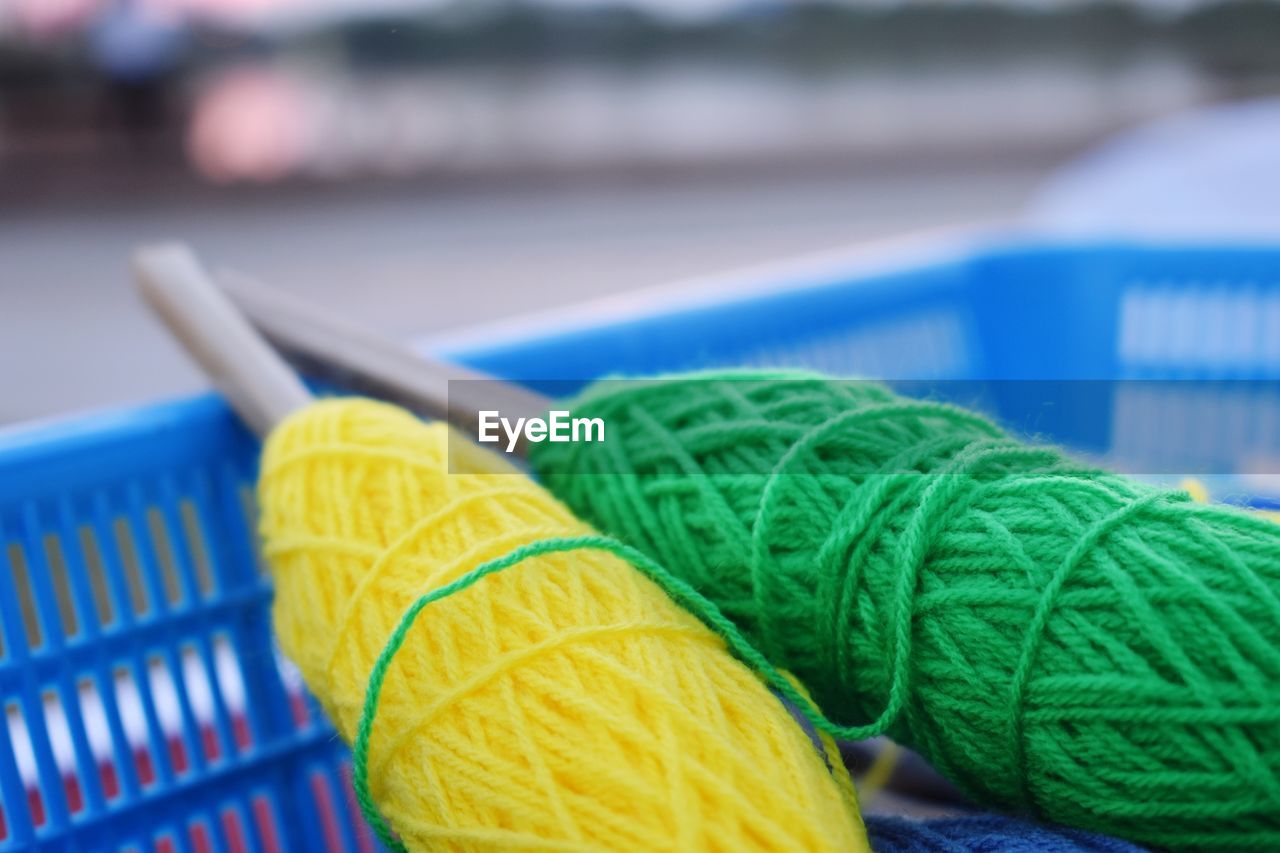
column 1060, row 641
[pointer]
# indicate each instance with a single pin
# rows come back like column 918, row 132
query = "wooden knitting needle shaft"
column 334, row 349
column 258, row 384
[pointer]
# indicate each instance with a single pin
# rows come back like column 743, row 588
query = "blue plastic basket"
column 145, row 704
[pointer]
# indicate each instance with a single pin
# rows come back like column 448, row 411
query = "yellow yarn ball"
column 563, row 703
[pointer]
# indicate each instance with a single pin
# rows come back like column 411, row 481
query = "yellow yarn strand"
column 563, row 703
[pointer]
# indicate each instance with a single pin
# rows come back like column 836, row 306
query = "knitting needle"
column 257, row 383
column 348, row 355
column 354, row 358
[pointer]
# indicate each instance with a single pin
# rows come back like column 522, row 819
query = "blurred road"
column 418, row 259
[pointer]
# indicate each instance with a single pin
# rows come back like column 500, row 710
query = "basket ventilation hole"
column 132, row 567
column 26, row 600
column 199, row 687
column 196, row 546
column 249, row 506
column 234, row 829
column 98, row 732
column 134, row 722
column 164, row 692
column 61, row 585
column 60, row 742
column 25, row 756
column 96, row 570
column 159, row 532
column 230, row 684
column 264, row 819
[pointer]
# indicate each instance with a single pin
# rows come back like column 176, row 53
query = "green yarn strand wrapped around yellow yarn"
column 1061, row 641
column 564, row 702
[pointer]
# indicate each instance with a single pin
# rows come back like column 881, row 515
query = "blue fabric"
column 984, row 834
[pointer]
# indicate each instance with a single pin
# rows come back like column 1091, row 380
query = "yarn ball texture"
column 984, row 834
column 563, row 703
column 1060, row 641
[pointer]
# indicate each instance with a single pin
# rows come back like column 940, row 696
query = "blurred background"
column 425, row 165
